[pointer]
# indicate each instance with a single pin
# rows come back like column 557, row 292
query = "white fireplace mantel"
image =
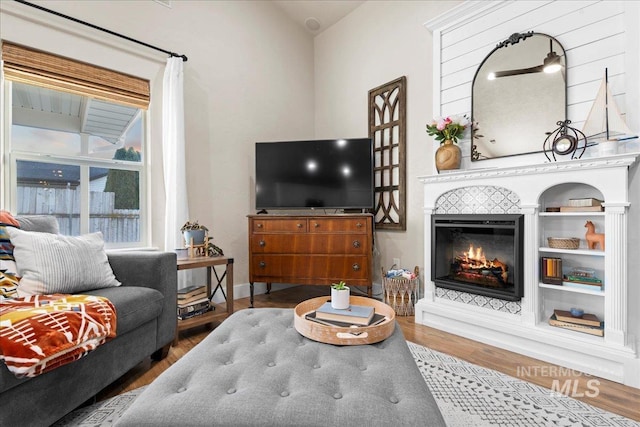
column 524, row 329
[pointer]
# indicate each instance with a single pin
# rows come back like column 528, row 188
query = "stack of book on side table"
column 586, row 323
column 354, row 316
column 192, row 301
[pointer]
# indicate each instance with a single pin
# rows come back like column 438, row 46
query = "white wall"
column 376, row 43
column 249, row 77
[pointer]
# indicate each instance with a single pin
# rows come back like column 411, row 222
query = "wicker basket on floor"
column 400, row 293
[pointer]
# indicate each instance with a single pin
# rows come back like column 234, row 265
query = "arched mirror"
column 519, row 94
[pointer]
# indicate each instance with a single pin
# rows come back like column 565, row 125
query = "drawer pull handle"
column 359, row 224
column 259, row 225
column 355, row 267
column 356, row 244
column 299, row 225
column 262, row 243
column 316, row 225
column 262, row 264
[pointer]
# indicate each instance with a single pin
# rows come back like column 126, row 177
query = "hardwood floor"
column 605, row 394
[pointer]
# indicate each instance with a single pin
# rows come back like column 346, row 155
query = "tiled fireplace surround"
column 522, row 326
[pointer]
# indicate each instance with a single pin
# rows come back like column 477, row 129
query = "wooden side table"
column 209, row 263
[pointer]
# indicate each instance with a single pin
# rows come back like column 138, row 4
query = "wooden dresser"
column 311, row 250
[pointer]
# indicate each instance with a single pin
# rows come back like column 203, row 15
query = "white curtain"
column 173, row 154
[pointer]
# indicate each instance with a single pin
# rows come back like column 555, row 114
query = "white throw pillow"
column 53, row 263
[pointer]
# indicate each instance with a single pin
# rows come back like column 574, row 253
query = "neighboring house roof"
column 34, row 106
column 54, row 173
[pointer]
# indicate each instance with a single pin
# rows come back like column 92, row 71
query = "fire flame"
column 476, row 255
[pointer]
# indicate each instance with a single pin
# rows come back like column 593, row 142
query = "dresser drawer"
column 311, row 249
column 312, row 269
column 278, row 225
column 329, row 225
column 349, row 244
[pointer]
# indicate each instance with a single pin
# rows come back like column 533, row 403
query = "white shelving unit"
column 571, row 224
column 616, row 180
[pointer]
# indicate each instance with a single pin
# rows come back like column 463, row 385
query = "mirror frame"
column 514, row 39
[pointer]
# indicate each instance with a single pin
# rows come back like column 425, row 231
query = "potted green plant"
column 194, row 234
column 213, row 250
column 340, row 296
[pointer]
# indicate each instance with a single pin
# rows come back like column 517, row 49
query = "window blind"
column 26, row 65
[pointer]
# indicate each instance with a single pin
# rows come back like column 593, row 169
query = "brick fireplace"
column 520, row 322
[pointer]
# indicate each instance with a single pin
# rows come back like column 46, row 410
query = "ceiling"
column 315, row 16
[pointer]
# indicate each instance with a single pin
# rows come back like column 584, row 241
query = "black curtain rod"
column 184, row 57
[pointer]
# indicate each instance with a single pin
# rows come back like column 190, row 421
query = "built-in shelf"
column 561, row 214
column 570, row 289
column 590, row 252
column 569, row 334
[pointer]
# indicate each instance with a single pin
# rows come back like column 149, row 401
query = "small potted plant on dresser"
column 340, row 296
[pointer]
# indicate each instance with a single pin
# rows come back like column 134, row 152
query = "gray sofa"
column 146, row 322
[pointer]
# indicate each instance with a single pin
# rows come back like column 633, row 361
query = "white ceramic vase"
column 340, row 298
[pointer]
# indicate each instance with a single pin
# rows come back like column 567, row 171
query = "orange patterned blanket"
column 41, row 332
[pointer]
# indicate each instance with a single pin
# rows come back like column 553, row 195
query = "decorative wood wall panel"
column 387, row 128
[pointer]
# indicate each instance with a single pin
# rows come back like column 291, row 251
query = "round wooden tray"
column 344, row 336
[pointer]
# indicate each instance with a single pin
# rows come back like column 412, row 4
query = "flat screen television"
column 321, row 174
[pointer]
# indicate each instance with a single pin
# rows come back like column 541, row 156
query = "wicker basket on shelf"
column 564, row 242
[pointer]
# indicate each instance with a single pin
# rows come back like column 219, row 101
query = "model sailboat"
column 604, row 122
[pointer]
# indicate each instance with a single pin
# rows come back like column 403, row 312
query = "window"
column 76, row 155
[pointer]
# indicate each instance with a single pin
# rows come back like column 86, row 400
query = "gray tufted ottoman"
column 256, row 369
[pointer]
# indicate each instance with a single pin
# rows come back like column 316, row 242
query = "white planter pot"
column 340, row 299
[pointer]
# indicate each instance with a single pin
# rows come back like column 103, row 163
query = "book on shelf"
column 551, row 270
column 189, row 291
column 592, row 330
column 375, row 320
column 580, row 285
column 585, row 319
column 193, row 314
column 356, row 314
column 583, row 279
column 581, row 208
column 587, row 201
column 203, row 298
column 193, row 307
column 192, row 299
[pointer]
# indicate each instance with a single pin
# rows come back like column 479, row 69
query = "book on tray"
column 375, row 320
column 355, row 314
column 587, row 323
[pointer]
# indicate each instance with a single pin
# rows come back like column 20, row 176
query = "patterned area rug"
column 467, row 394
column 470, row 395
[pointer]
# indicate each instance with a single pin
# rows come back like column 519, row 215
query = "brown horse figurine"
column 592, row 237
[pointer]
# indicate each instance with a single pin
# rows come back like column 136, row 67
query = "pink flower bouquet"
column 450, row 127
